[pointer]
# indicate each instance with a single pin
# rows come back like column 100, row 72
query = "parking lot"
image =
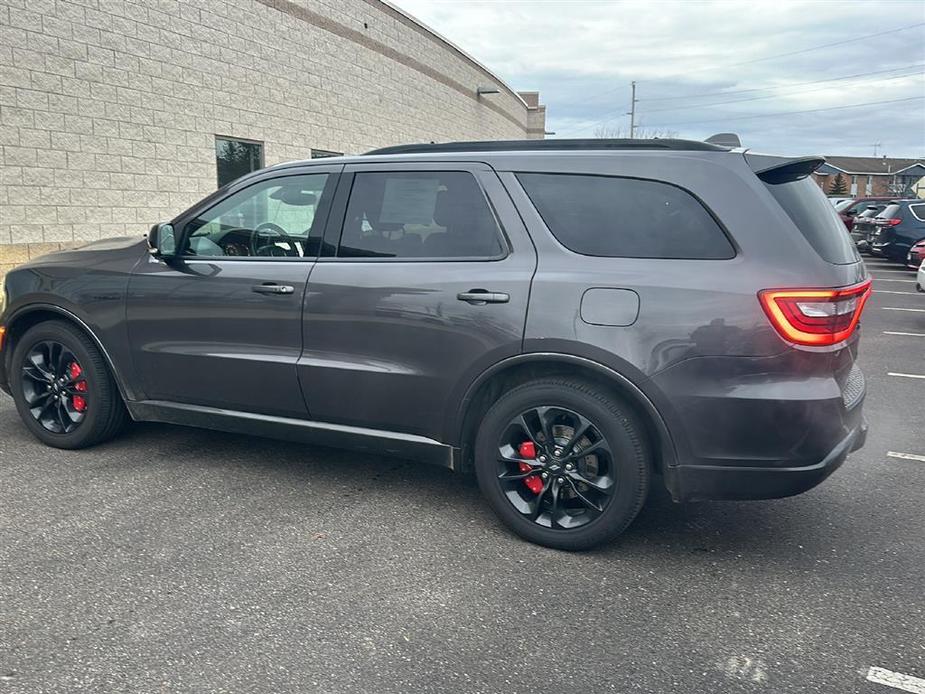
column 181, row 560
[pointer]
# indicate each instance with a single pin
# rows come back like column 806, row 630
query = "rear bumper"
column 715, row 482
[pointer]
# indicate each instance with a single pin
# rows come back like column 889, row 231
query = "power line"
column 795, row 84
column 772, row 96
column 782, row 55
column 609, row 114
column 789, row 113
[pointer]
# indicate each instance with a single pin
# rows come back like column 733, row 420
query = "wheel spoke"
column 36, row 398
column 585, row 500
column 515, row 476
column 521, row 421
column 538, row 507
column 542, row 414
column 604, row 485
column 599, row 446
column 554, row 511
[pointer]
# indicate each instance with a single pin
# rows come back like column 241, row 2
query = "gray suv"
column 574, row 321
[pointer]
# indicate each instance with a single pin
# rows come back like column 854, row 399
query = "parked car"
column 863, row 227
column 916, row 256
column 899, row 227
column 499, row 307
column 835, row 201
column 920, row 278
column 848, row 210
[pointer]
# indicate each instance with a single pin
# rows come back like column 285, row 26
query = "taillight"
column 815, row 317
column 890, row 222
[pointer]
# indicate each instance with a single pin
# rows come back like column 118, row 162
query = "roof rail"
column 546, row 145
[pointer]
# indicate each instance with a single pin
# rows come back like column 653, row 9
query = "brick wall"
column 109, row 108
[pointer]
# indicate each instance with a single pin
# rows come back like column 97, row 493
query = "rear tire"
column 103, row 414
column 621, row 466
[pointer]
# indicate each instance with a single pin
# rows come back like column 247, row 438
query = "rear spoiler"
column 771, row 169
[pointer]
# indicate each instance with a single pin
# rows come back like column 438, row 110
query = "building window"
column 234, row 158
column 854, row 185
column 869, row 188
column 324, row 154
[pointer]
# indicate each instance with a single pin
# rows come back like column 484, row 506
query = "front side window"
column 618, row 217
column 427, row 214
column 271, row 219
column 234, row 158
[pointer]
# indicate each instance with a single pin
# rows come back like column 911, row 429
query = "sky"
column 704, row 67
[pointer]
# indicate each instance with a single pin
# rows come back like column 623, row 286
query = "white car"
column 920, row 278
column 836, row 201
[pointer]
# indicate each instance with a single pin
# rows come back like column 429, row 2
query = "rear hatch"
column 884, row 222
column 821, row 316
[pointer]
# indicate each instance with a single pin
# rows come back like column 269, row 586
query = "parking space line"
column 896, row 680
column 896, row 308
column 906, row 456
column 887, row 291
column 887, row 279
column 901, row 375
column 876, row 269
column 896, row 332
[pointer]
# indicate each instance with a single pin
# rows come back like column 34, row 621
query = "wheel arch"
column 33, row 314
column 525, row 367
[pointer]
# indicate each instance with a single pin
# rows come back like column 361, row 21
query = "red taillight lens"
column 891, row 222
column 815, row 317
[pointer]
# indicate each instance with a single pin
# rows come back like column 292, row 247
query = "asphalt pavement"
column 179, row 560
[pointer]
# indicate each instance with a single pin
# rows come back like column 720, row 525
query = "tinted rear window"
column 812, row 214
column 625, row 217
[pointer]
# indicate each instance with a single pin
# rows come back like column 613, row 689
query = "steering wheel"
column 265, row 238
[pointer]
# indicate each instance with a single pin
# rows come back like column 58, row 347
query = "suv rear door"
column 423, row 284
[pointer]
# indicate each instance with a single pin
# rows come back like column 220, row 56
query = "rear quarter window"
column 918, row 211
column 805, row 204
column 618, row 217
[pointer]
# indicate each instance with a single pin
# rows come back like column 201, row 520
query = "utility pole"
column 632, row 113
column 875, row 145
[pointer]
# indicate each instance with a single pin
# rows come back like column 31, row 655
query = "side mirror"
column 162, row 241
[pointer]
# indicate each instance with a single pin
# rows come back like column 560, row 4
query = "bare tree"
column 607, row 132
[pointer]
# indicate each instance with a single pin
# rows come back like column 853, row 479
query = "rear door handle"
column 478, row 297
column 270, row 288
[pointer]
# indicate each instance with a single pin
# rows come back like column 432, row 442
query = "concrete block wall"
column 109, row 109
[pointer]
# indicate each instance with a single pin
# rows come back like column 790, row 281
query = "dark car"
column 574, row 321
column 865, row 225
column 849, row 209
column 900, row 226
column 916, row 256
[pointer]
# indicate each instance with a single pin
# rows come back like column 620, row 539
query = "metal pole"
column 633, row 111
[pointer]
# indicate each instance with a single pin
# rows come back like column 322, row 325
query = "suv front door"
column 423, row 284
column 221, row 325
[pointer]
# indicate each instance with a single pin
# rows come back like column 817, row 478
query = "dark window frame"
column 736, row 250
column 243, row 140
column 338, row 216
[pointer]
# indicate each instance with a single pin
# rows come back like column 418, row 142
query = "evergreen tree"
column 839, row 186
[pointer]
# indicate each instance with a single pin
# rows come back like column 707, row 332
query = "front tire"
column 562, row 463
column 63, row 389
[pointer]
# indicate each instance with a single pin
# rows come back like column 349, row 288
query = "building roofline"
column 424, row 28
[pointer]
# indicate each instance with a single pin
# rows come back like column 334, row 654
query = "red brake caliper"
column 527, row 451
column 79, row 401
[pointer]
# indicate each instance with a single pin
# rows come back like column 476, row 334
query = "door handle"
column 270, row 288
column 479, row 297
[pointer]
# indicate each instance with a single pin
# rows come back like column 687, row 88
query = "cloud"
column 687, row 56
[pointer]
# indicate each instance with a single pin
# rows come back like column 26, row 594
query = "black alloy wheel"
column 54, row 387
column 556, row 467
column 563, row 462
column 63, row 388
